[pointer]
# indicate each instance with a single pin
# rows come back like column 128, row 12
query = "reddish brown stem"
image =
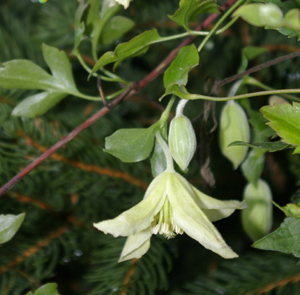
column 133, row 89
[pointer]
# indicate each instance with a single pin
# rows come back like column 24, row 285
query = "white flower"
column 171, row 205
column 125, row 3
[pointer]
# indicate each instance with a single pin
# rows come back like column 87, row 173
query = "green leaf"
column 9, row 225
column 60, row 67
column 177, row 73
column 285, row 239
column 290, row 210
column 134, row 47
column 78, row 25
column 259, row 123
column 267, row 146
column 253, row 166
column 48, row 289
column 91, row 16
column 285, row 120
column 24, row 74
column 38, row 104
column 190, row 9
column 249, row 53
column 185, row 61
column 115, row 28
column 131, row 145
column 107, row 12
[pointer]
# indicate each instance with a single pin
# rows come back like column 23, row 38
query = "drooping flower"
column 171, row 206
column 125, row 3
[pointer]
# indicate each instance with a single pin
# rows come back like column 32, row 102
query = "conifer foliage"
column 136, row 136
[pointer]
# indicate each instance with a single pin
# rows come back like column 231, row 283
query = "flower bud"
column 234, row 126
column 257, row 217
column 271, row 15
column 275, row 99
column 182, row 141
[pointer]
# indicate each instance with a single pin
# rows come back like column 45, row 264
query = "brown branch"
column 32, row 250
column 133, row 89
column 219, row 83
column 278, row 284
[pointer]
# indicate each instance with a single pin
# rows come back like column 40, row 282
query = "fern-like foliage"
column 255, row 273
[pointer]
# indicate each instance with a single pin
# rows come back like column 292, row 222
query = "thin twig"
column 219, row 83
column 133, row 89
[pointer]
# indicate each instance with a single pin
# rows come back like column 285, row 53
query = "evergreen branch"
column 129, row 275
column 132, row 89
column 278, row 284
column 32, row 250
column 281, row 47
column 6, row 101
column 44, row 206
column 91, row 168
column 66, row 139
column 30, row 200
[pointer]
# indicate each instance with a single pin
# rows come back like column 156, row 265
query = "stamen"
column 163, row 223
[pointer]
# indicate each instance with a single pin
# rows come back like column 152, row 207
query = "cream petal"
column 141, row 215
column 216, row 209
column 125, row 3
column 136, row 245
column 190, row 218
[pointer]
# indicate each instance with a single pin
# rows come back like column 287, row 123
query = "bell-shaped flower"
column 171, row 206
column 125, row 3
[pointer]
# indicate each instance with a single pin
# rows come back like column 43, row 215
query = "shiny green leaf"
column 249, row 53
column 106, row 13
column 134, row 47
column 24, row 74
column 253, row 166
column 48, row 289
column 185, row 61
column 131, row 145
column 79, row 26
column 60, row 67
column 38, row 104
column 115, row 28
column 267, row 146
column 259, row 123
column 285, row 120
column 190, row 9
column 90, row 16
column 290, row 210
column 9, row 225
column 285, row 239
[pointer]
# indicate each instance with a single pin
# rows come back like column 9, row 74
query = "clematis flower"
column 125, row 3
column 171, row 206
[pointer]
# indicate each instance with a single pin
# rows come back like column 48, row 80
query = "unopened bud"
column 234, row 126
column 270, row 15
column 182, row 141
column 275, row 99
column 257, row 217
